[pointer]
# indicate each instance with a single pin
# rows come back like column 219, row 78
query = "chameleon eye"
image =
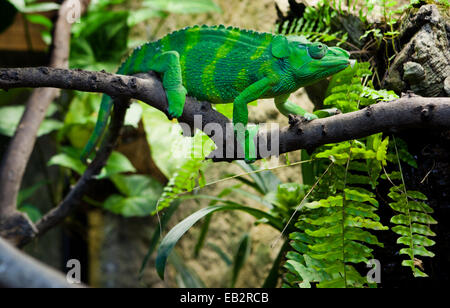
column 317, row 50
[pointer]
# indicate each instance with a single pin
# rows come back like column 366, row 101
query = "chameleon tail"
column 133, row 64
column 102, row 120
column 127, row 67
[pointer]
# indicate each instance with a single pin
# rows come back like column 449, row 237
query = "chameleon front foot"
column 176, row 99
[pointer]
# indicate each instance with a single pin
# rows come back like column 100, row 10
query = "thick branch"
column 410, row 111
column 17, row 270
column 16, row 157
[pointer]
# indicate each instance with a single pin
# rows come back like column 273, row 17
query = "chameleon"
column 224, row 65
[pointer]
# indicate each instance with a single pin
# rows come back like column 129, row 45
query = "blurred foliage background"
column 115, row 233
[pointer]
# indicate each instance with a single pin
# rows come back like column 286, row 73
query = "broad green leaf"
column 41, row 7
column 48, row 126
column 325, row 232
column 24, row 7
column 100, row 40
column 420, row 207
column 225, row 109
column 382, row 150
column 361, row 209
column 65, row 160
column 400, row 219
column 357, row 234
column 422, row 229
column 131, row 206
column 70, row 158
column 117, row 163
column 40, row 20
column 136, row 184
column 183, row 7
column 143, row 14
column 417, row 240
column 327, row 219
column 416, row 195
column 11, row 116
column 172, row 151
column 422, row 218
column 140, row 195
column 332, row 201
column 307, row 274
column 133, row 115
column 417, row 251
column 351, row 194
column 355, row 221
column 300, row 236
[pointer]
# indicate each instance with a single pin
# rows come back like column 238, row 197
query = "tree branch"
column 410, row 111
column 17, row 270
column 16, row 157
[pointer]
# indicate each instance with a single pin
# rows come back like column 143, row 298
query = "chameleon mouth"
column 352, row 63
column 336, row 62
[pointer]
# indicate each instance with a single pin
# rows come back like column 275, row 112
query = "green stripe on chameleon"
column 265, row 69
column 192, row 36
column 263, row 46
column 197, row 59
column 210, row 70
column 140, row 57
column 242, row 80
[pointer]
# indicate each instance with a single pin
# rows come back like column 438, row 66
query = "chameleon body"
column 229, row 65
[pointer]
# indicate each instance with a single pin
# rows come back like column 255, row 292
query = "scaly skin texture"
column 229, row 65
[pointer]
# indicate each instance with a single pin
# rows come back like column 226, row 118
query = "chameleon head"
column 310, row 62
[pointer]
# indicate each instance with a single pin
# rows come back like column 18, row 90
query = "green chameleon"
column 229, row 65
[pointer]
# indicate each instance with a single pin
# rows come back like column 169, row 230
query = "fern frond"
column 412, row 225
column 186, row 178
column 314, row 25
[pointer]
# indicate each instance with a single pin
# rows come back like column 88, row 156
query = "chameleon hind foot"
column 310, row 116
column 248, row 143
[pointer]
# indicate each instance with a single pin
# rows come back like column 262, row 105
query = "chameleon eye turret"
column 317, row 50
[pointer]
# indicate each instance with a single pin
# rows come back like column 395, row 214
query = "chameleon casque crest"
column 229, row 65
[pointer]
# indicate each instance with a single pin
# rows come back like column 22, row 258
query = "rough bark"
column 423, row 64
